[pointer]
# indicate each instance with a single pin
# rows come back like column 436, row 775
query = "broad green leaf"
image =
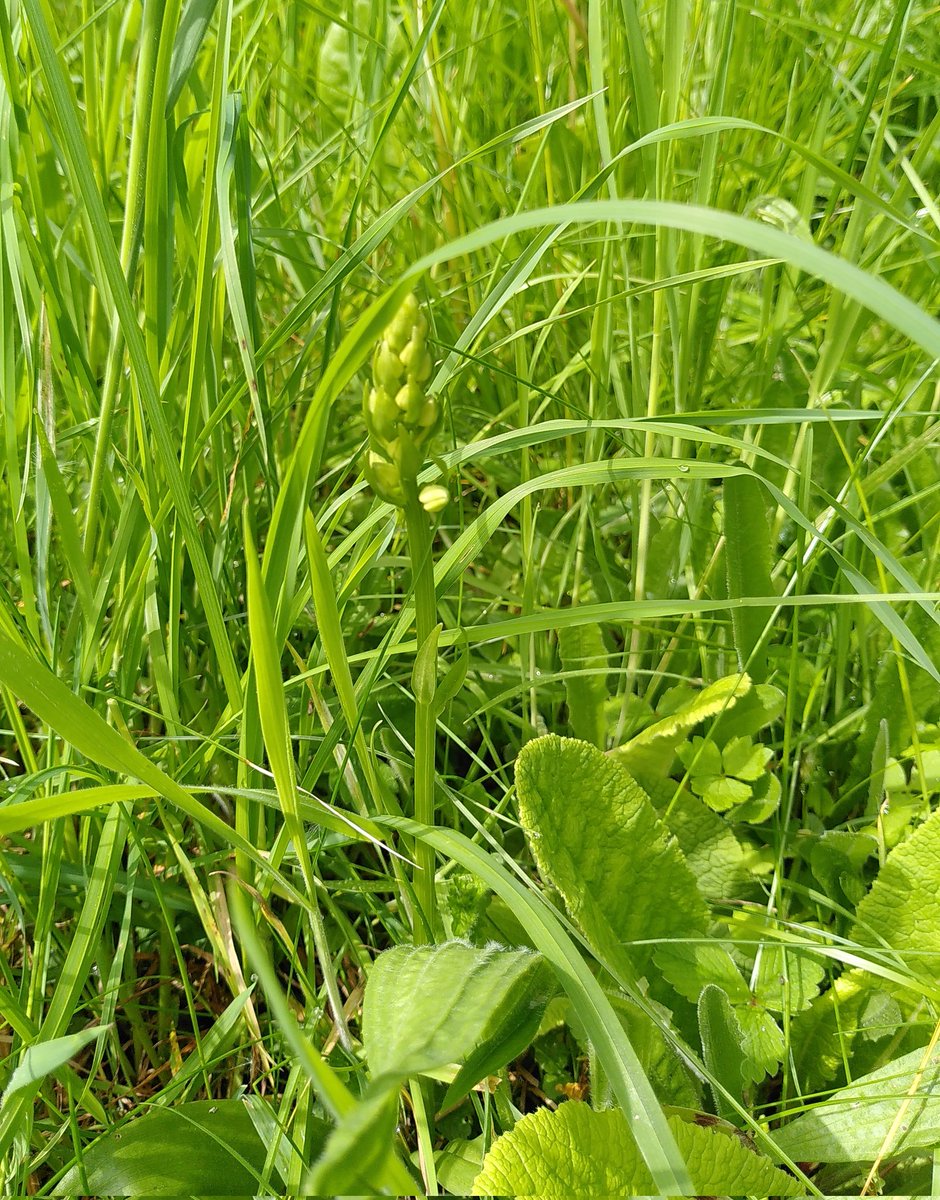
column 691, row 966
column 596, row 837
column 880, row 1017
column 577, row 1152
column 43, row 1058
column 190, row 1149
column 926, row 772
column 364, row 1122
column 821, row 1036
column 721, row 865
column 701, row 757
column 661, row 1051
column 427, row 1007
column 610, row 1042
column 837, row 860
column 584, row 659
column 453, row 679
column 763, row 803
column 458, row 1164
column 650, row 754
column 901, row 909
column 722, row 1052
column 721, row 793
column 852, row 1126
column 358, row 1153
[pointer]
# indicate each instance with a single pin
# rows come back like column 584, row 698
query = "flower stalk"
column 401, row 420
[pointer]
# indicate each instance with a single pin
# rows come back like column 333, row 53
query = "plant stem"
column 418, row 527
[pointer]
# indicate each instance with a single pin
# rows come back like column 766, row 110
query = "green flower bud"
column 433, row 497
column 429, row 414
column 406, row 455
column 410, row 399
column 387, row 367
column 384, row 478
column 399, row 331
column 381, row 414
column 417, row 361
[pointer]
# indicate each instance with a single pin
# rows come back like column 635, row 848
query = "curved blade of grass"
column 14, row 818
column 619, row 612
column 710, row 126
column 44, row 1057
column 866, row 289
column 238, row 265
column 468, row 545
column 189, row 37
column 460, row 554
column 608, row 1037
column 27, row 814
column 327, row 614
column 272, row 710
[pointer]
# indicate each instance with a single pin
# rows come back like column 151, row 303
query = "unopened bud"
column 433, row 497
column 398, row 334
column 382, row 414
column 429, row 414
column 387, row 367
column 417, row 361
column 410, row 399
column 384, row 478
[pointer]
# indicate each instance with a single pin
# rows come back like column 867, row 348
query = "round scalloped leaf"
column 575, row 1152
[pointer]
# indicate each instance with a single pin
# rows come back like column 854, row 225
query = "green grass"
column 680, row 263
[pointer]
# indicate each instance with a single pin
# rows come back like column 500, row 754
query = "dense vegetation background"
column 689, row 430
